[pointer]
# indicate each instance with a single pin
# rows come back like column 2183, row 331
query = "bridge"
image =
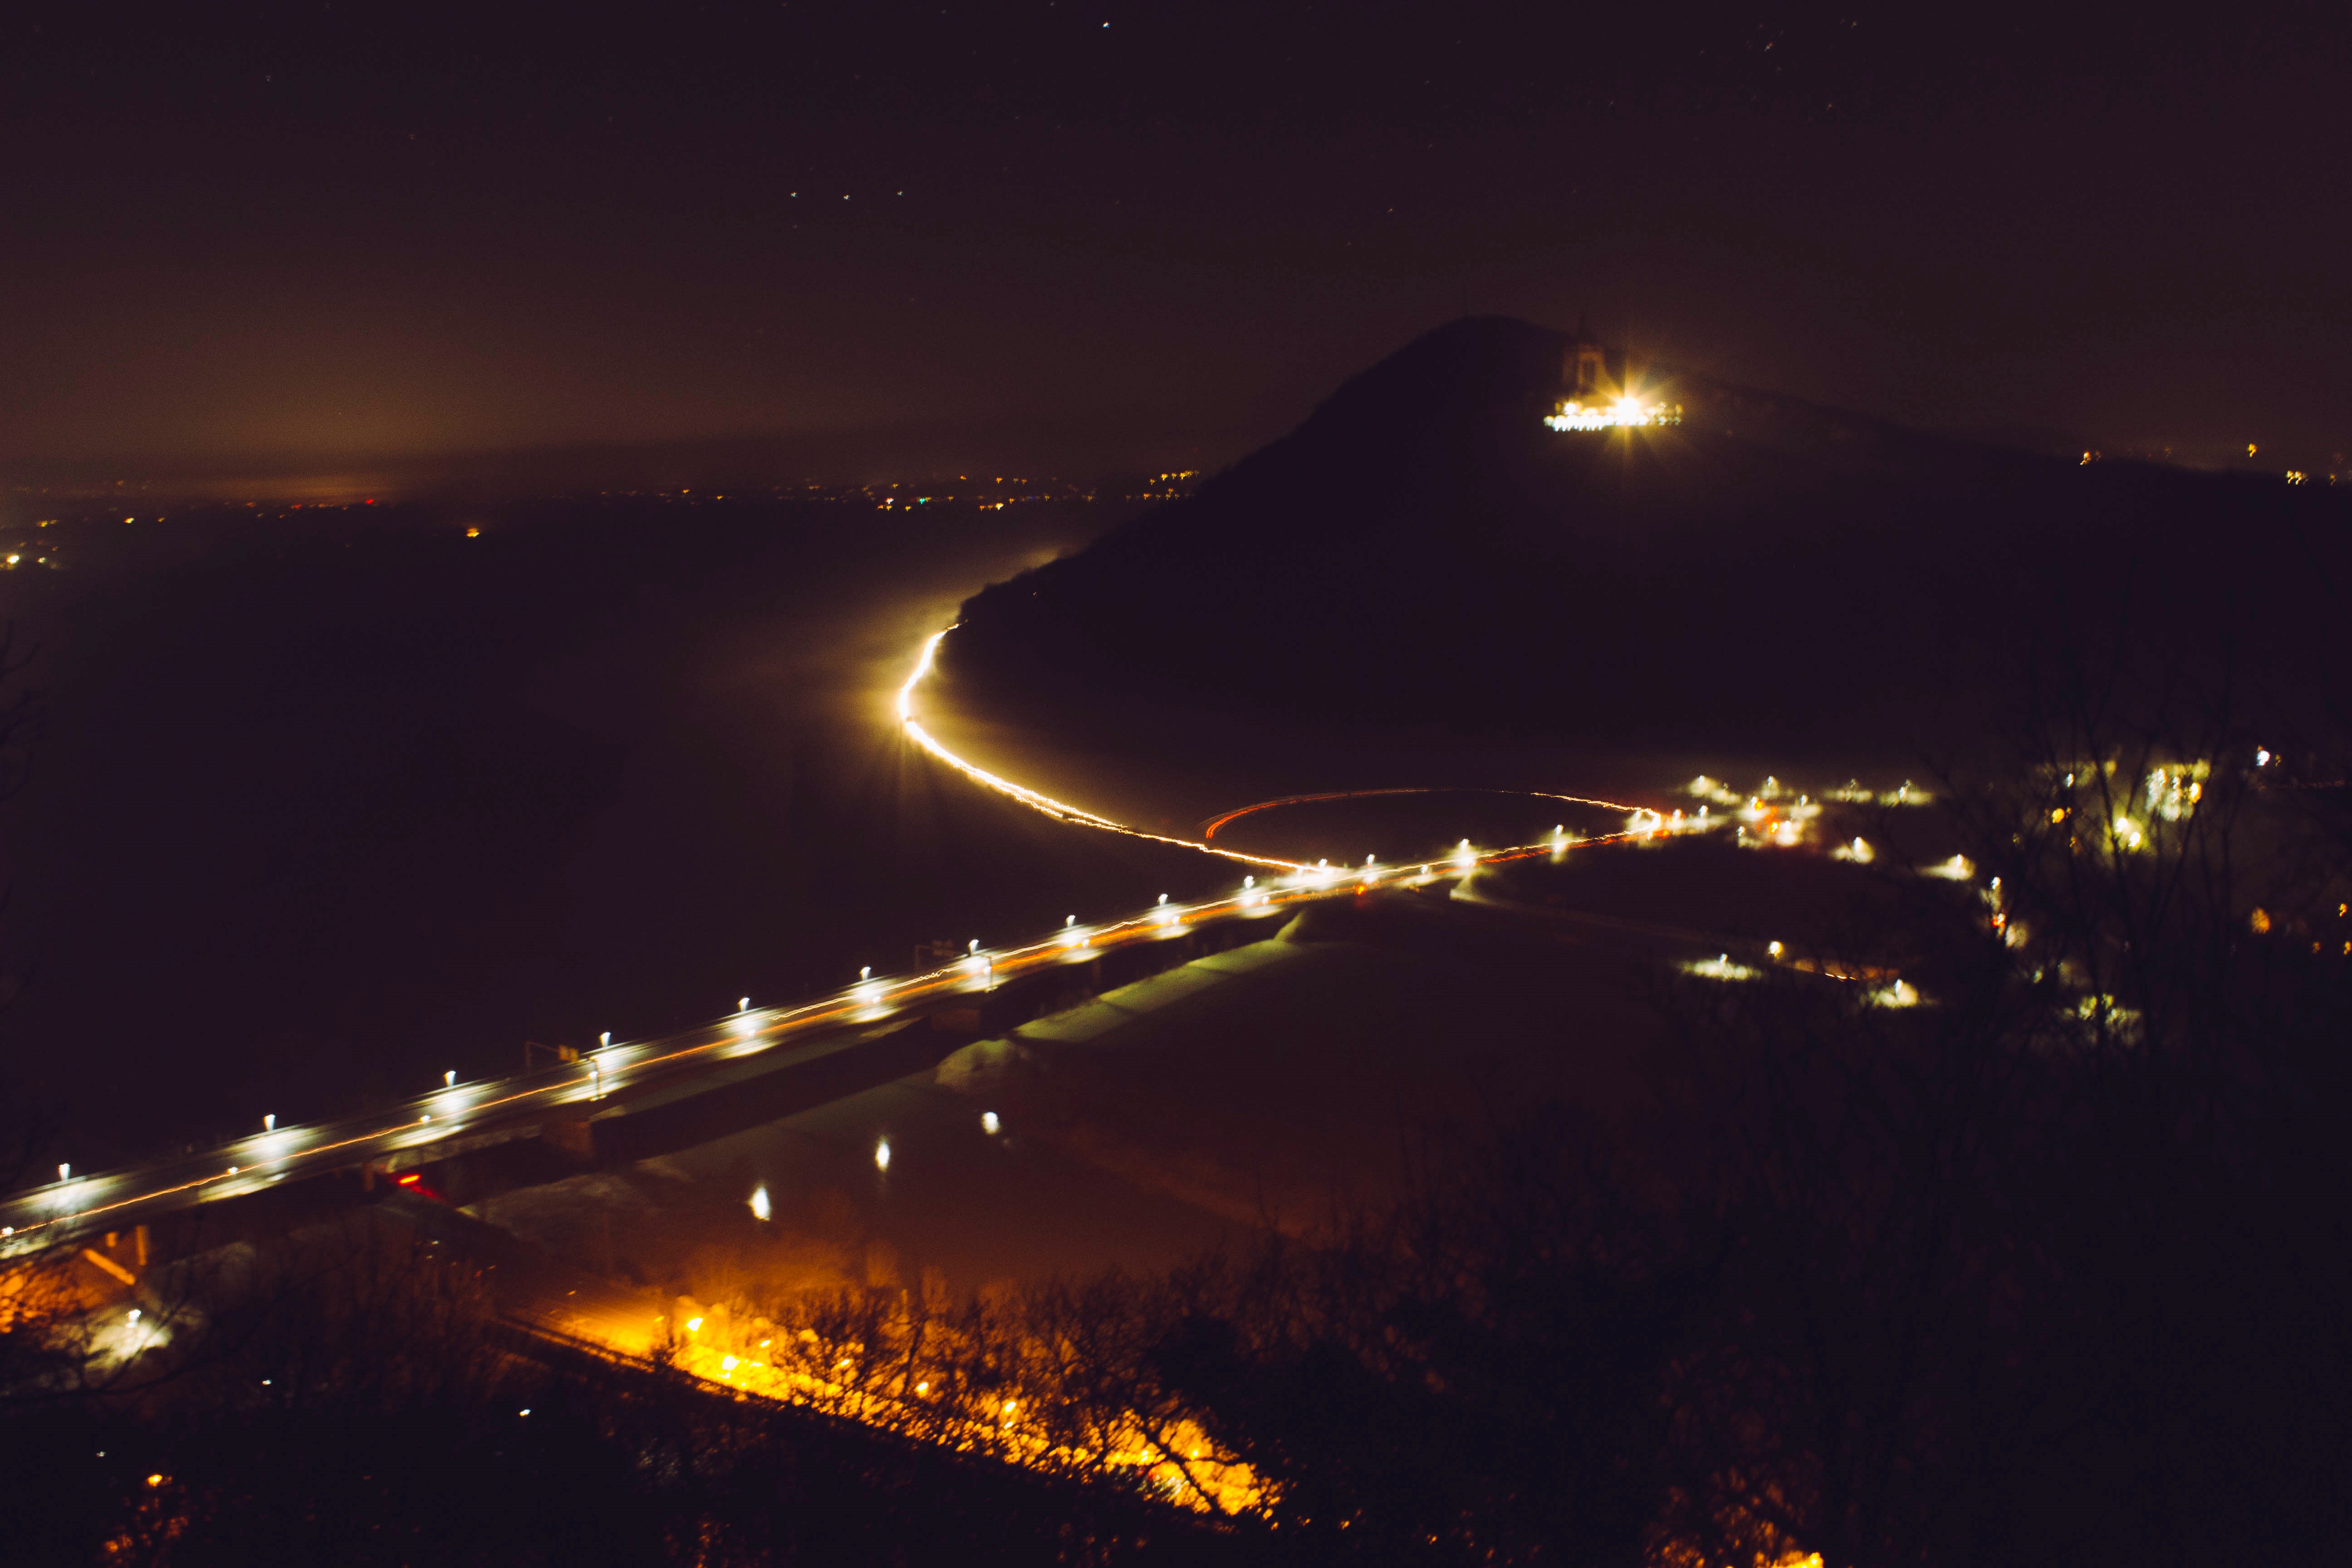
column 572, row 1105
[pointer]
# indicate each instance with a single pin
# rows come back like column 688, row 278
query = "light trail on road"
column 1209, row 829
column 1059, row 810
column 501, row 1107
column 498, row 1109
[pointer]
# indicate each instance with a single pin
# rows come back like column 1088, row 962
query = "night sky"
column 303, row 232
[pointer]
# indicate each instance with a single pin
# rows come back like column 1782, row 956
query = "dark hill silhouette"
column 1768, row 575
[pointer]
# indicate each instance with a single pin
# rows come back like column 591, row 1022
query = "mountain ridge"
column 1422, row 543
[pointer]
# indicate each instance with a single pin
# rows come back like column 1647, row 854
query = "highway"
column 459, row 1115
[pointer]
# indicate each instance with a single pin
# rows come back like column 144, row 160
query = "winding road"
column 464, row 1115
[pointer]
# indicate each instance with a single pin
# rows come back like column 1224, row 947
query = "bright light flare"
column 1894, row 993
column 113, row 1342
column 759, row 1208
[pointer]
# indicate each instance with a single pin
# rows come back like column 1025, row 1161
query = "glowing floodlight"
column 759, row 1209
column 990, row 1124
column 882, row 1155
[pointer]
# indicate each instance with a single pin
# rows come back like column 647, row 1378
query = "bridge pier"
column 570, row 1133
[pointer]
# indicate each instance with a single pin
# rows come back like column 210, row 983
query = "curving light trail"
column 402, row 1134
column 1209, row 829
column 1060, row 810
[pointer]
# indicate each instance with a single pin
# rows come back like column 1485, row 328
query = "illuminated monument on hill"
column 1595, row 400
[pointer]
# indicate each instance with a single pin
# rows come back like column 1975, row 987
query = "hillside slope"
column 1764, row 574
